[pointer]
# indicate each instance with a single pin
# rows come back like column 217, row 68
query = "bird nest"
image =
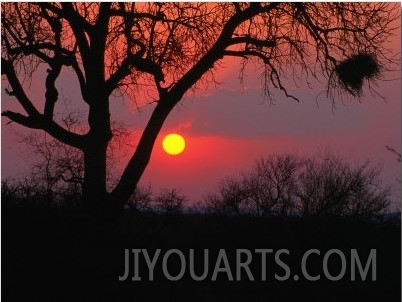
column 352, row 71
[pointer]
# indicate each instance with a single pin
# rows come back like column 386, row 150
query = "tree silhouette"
column 170, row 201
column 141, row 199
column 330, row 185
column 289, row 184
column 165, row 49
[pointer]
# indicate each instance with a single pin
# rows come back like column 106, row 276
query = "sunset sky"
column 229, row 126
column 227, row 130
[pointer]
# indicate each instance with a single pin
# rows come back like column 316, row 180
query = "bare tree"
column 170, row 201
column 164, row 49
column 267, row 190
column 57, row 166
column 330, row 185
column 288, row 184
column 276, row 179
column 212, row 204
column 231, row 194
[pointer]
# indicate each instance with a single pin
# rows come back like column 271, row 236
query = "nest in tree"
column 354, row 70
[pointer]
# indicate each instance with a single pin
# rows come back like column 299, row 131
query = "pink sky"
column 227, row 128
column 227, row 131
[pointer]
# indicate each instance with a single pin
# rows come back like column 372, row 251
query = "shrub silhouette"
column 170, row 201
column 141, row 199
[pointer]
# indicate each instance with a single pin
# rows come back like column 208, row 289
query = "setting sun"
column 173, row 144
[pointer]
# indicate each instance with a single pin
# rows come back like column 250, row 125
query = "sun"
column 173, row 144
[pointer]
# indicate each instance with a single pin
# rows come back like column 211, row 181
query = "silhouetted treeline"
column 32, row 192
column 278, row 185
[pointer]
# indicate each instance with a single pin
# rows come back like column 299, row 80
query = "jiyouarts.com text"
column 248, row 265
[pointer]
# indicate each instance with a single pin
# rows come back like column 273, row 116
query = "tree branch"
column 252, row 41
column 274, row 74
column 51, row 94
column 213, row 55
column 247, row 53
column 18, row 91
column 71, row 13
column 79, row 25
column 34, row 119
column 134, row 61
column 50, row 126
column 134, row 15
column 63, row 135
column 21, row 119
column 216, row 52
column 81, row 79
column 33, row 48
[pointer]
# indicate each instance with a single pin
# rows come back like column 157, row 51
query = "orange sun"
column 173, row 144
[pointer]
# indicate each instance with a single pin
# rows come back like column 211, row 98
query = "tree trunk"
column 97, row 140
column 94, row 188
column 141, row 157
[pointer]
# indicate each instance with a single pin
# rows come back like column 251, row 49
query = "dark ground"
column 53, row 254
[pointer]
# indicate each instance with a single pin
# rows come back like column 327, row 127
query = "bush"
column 170, row 201
column 141, row 199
